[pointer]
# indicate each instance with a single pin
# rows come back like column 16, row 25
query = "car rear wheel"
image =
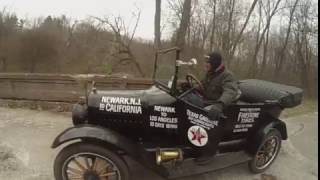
column 267, row 152
column 83, row 161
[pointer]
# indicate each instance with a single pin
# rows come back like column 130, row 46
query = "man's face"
column 207, row 66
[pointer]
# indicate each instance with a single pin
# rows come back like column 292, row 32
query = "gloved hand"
column 185, row 86
column 215, row 112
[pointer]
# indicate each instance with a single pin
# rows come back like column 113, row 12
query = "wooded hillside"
column 275, row 40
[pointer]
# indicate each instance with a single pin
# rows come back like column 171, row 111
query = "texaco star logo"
column 197, row 136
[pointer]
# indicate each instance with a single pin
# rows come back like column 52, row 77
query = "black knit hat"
column 214, row 59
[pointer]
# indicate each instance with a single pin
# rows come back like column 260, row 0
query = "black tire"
column 64, row 158
column 273, row 134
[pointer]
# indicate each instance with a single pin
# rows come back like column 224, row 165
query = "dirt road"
column 26, row 136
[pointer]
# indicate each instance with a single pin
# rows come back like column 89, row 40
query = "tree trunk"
column 157, row 23
column 213, row 26
column 253, row 67
column 185, row 20
column 228, row 39
column 265, row 50
column 280, row 59
column 303, row 65
column 236, row 42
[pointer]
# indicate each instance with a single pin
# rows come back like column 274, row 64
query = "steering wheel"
column 191, row 79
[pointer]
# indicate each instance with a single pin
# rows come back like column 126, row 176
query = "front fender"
column 94, row 132
column 108, row 136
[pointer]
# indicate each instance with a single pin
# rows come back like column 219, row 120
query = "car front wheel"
column 86, row 161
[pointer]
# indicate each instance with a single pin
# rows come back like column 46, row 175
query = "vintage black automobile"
column 164, row 128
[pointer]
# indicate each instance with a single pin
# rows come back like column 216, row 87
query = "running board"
column 232, row 146
column 220, row 161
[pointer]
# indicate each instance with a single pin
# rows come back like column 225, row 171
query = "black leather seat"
column 255, row 91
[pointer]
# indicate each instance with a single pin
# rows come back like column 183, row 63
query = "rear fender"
column 256, row 138
column 113, row 139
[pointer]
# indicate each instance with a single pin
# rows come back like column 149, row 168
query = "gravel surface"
column 26, row 136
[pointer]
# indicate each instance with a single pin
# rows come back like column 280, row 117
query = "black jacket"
column 221, row 88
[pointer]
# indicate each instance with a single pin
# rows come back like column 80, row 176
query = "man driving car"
column 219, row 86
column 219, row 89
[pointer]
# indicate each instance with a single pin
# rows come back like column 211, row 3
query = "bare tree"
column 8, row 28
column 213, row 5
column 177, row 7
column 186, row 13
column 265, row 52
column 236, row 42
column 122, row 41
column 157, row 23
column 226, row 43
column 253, row 64
column 69, row 38
column 199, row 28
column 285, row 52
column 303, row 31
column 281, row 55
column 266, row 37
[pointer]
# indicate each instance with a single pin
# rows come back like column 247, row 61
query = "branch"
column 243, row 27
column 176, row 8
column 70, row 31
column 135, row 27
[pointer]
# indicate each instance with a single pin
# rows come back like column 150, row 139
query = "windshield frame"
column 173, row 89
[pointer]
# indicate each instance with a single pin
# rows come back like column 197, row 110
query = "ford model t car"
column 165, row 127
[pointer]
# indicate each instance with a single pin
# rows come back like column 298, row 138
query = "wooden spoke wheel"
column 267, row 152
column 84, row 161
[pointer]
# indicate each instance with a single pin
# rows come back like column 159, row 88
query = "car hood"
column 148, row 97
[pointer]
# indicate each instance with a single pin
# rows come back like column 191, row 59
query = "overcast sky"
column 80, row 9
